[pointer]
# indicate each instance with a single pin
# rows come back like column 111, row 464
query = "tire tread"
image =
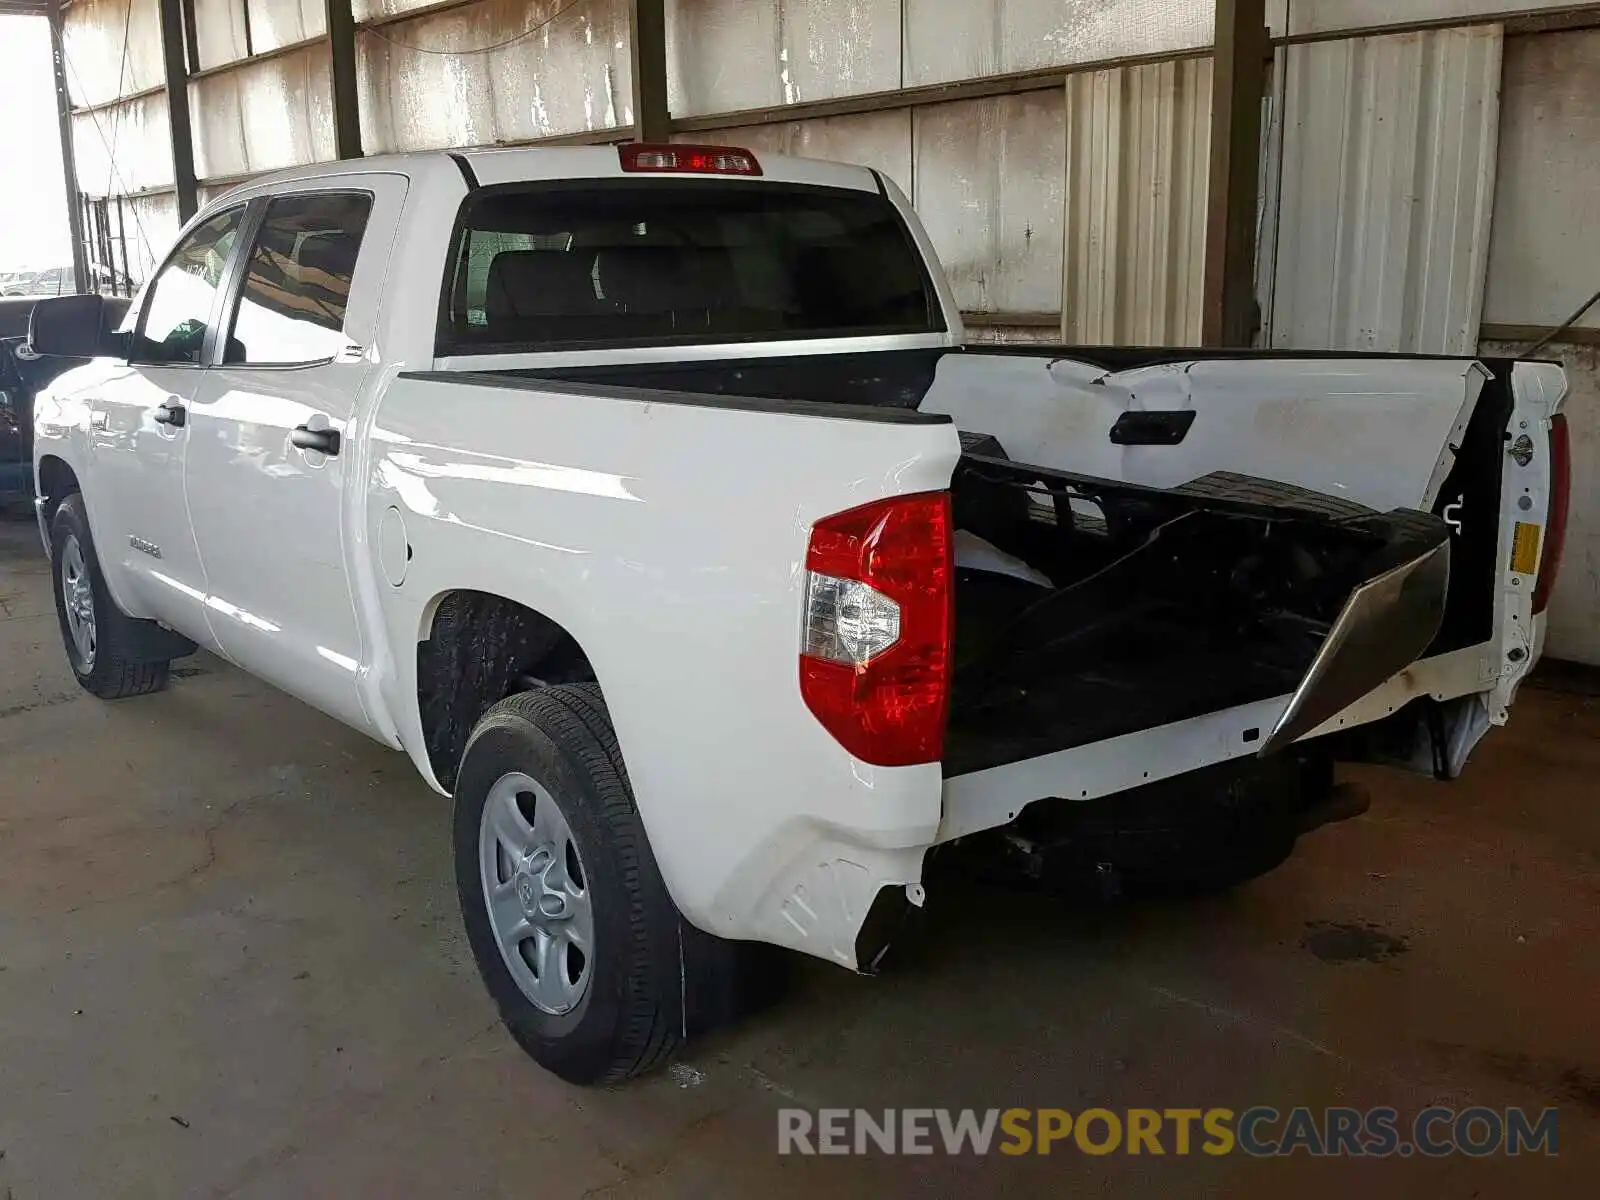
column 574, row 716
column 117, row 675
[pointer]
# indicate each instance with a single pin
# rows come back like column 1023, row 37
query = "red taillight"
column 875, row 651
column 691, row 160
column 1555, row 530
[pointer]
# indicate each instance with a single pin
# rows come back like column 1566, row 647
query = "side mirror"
column 69, row 327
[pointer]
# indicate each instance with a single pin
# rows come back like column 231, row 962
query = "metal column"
column 1230, row 314
column 69, row 160
column 342, row 53
column 647, row 29
column 177, row 78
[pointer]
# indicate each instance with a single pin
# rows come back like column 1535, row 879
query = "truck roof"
column 534, row 163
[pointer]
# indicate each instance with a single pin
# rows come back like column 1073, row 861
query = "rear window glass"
column 680, row 261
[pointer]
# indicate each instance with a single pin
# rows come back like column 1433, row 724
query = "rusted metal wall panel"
column 570, row 75
column 1137, row 159
column 275, row 23
column 99, row 68
column 219, row 31
column 1381, row 177
column 727, row 55
column 947, row 40
column 123, row 149
column 1544, row 257
column 151, row 225
column 990, row 181
column 264, row 116
column 367, row 9
column 880, row 140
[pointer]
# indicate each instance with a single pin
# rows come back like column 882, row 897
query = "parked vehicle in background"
column 649, row 499
column 21, row 376
column 61, row 281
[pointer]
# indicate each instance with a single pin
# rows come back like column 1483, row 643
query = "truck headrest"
column 329, row 255
column 643, row 279
column 540, row 283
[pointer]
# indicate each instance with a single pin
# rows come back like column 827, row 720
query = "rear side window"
column 542, row 266
column 297, row 280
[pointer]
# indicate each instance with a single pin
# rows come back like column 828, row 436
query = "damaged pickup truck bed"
column 650, row 500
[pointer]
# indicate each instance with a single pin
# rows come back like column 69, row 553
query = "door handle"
column 172, row 413
column 324, row 441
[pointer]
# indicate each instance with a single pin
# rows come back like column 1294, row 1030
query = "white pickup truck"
column 649, row 498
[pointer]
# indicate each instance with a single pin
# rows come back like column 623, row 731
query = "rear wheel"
column 594, row 971
column 98, row 636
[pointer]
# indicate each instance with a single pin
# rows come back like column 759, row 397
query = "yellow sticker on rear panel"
column 1525, row 548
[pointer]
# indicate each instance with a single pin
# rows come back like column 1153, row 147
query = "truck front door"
column 271, row 451
column 140, row 430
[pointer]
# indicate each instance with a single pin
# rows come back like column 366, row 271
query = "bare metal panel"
column 1381, row 166
column 727, row 55
column 571, row 75
column 275, row 23
column 1544, row 258
column 219, row 31
column 959, row 39
column 989, row 181
column 1138, row 141
column 881, row 140
column 93, row 33
column 260, row 117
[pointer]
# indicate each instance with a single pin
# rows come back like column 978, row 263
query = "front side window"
column 682, row 261
column 297, row 280
column 182, row 298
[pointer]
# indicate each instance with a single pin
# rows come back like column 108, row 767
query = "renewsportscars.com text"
column 1261, row 1131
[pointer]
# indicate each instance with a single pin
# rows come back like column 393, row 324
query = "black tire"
column 117, row 669
column 656, row 980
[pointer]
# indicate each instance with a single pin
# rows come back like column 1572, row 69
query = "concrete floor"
column 230, row 964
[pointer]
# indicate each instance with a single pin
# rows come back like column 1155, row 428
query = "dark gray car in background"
column 20, row 379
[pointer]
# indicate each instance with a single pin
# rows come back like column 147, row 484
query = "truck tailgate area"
column 1168, row 605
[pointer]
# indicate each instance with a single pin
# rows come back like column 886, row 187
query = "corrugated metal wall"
column 1073, row 209
column 1095, row 191
column 264, row 116
column 728, row 55
column 1301, row 17
column 1022, row 194
column 946, row 41
column 1382, row 162
column 1138, row 145
column 497, row 71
